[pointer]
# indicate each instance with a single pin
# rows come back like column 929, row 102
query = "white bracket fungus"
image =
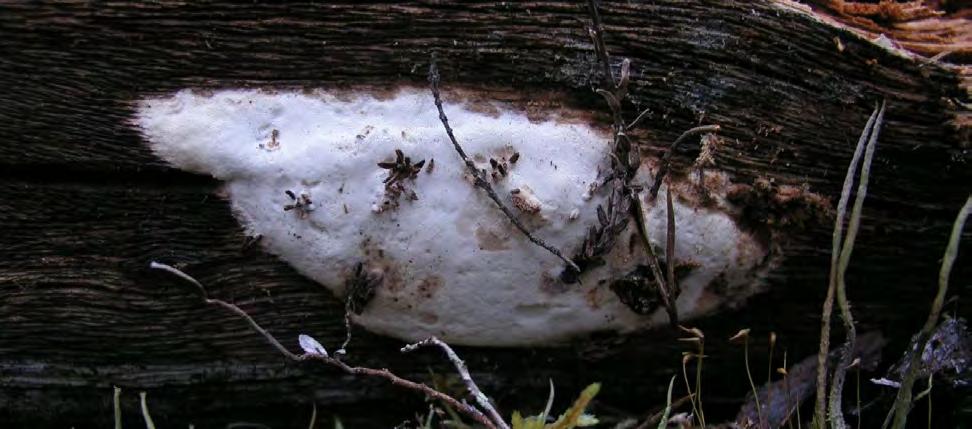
column 302, row 170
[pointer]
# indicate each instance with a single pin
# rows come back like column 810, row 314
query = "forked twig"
column 600, row 49
column 467, row 379
column 666, row 159
column 468, row 410
column 479, row 177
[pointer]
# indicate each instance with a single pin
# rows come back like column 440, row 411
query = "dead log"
column 85, row 205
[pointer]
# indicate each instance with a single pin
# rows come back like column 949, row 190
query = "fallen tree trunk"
column 85, row 205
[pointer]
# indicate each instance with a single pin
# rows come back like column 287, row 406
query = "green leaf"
column 586, row 420
column 663, row 423
column 517, row 421
column 573, row 416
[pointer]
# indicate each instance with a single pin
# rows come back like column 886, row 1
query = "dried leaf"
column 622, row 90
column 695, row 332
column 612, row 101
column 663, row 422
column 601, row 216
column 743, row 333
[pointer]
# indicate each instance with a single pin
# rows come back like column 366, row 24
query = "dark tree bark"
column 84, row 205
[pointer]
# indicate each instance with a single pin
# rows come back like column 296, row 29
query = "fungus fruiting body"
column 444, row 260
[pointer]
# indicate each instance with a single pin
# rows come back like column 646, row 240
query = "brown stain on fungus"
column 492, row 240
column 428, row 286
column 552, row 285
column 593, row 298
column 483, row 107
column 428, row 318
column 382, row 267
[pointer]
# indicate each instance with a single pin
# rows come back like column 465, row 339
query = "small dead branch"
column 666, row 159
column 625, row 162
column 480, row 177
column 314, row 351
column 467, row 379
column 672, row 288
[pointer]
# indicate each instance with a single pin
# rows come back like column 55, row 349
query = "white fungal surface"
column 449, row 263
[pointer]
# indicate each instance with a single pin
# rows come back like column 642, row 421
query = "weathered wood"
column 84, row 205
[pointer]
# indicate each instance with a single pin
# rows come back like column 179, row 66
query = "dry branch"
column 467, row 379
column 479, row 177
column 625, row 162
column 462, row 407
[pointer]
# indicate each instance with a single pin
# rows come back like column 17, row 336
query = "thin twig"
column 670, row 259
column 467, row 379
column 180, row 274
column 840, row 371
column 626, row 159
column 479, row 177
column 902, row 402
column 600, row 49
column 347, row 326
column 666, row 159
column 819, row 415
column 466, row 409
column 666, row 295
column 634, row 123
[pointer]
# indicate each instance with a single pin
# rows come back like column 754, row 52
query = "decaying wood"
column 85, row 205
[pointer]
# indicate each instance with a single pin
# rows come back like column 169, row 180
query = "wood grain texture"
column 84, row 205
